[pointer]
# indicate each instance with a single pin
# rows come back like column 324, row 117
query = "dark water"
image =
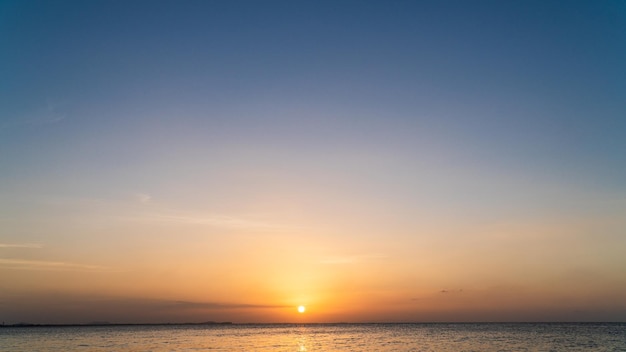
column 322, row 337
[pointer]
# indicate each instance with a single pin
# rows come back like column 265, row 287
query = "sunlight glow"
column 301, row 309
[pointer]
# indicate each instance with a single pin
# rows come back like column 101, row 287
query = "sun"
column 301, row 309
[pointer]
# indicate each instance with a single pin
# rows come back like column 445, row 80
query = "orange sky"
column 139, row 260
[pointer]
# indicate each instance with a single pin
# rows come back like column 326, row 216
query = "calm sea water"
column 323, row 337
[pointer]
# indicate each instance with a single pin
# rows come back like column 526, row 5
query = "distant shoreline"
column 30, row 325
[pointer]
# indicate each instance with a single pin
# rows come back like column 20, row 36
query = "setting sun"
column 301, row 309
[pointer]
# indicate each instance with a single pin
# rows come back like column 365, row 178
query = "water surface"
column 318, row 337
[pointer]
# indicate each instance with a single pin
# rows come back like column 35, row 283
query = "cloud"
column 210, row 220
column 21, row 245
column 72, row 307
column 27, row 264
column 219, row 305
column 51, row 113
column 353, row 258
column 24, row 264
column 142, row 208
column 163, row 305
column 143, row 198
column 444, row 291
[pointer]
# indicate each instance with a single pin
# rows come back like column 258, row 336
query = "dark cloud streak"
column 55, row 308
column 218, row 305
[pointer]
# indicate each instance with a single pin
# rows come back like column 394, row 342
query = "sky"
column 374, row 161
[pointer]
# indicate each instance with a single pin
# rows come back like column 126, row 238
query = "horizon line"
column 27, row 325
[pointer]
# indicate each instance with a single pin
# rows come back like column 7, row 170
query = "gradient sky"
column 182, row 161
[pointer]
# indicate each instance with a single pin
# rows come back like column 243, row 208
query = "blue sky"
column 370, row 119
column 538, row 82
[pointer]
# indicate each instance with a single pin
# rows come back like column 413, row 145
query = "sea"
column 442, row 337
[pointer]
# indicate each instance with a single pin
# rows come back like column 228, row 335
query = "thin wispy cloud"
column 161, row 213
column 52, row 112
column 353, row 258
column 152, row 211
column 172, row 216
column 21, row 245
column 24, row 264
column 214, row 220
column 143, row 198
